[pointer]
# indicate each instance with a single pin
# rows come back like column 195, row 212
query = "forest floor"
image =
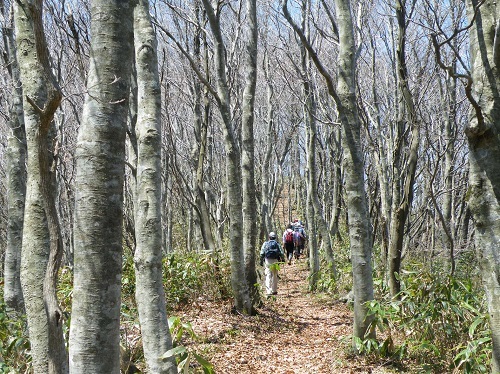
column 293, row 332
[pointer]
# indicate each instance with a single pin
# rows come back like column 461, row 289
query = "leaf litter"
column 294, row 332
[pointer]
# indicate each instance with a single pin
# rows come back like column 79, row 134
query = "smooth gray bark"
column 247, row 153
column 483, row 136
column 149, row 294
column 357, row 205
column 16, row 177
column 42, row 246
column 100, row 164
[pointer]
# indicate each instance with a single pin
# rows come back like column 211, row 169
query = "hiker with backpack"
column 270, row 254
column 299, row 239
column 288, row 243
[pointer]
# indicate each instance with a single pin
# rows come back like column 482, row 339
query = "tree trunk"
column 344, row 95
column 42, row 246
column 167, row 214
column 150, row 295
column 403, row 190
column 357, row 205
column 199, row 151
column 239, row 285
column 247, row 154
column 16, row 179
column 448, row 201
column 336, row 155
column 100, row 164
column 314, row 213
column 311, row 212
column 483, row 136
column 266, row 198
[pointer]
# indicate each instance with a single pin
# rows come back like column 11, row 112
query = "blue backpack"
column 272, row 250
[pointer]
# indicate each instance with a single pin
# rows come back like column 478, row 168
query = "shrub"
column 431, row 319
column 14, row 344
column 190, row 275
column 185, row 357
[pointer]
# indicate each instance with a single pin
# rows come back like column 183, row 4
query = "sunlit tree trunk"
column 247, row 153
column 360, row 233
column 42, row 246
column 344, row 95
column 150, row 295
column 483, row 135
column 239, row 285
column 100, row 164
column 16, row 175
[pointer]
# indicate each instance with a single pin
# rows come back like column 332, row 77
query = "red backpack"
column 288, row 236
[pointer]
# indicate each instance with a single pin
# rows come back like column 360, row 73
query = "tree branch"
column 193, row 64
column 481, row 128
column 312, row 53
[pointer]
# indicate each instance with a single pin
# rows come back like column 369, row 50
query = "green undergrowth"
column 437, row 324
column 14, row 344
column 188, row 277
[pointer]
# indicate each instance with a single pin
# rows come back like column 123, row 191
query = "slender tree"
column 42, row 247
column 345, row 99
column 247, row 152
column 199, row 151
column 243, row 302
column 404, row 173
column 150, row 295
column 16, row 171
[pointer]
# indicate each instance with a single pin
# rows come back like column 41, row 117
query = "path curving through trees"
column 294, row 333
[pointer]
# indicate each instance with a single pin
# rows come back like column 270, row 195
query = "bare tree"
column 484, row 147
column 42, row 249
column 403, row 182
column 345, row 99
column 16, row 170
column 100, row 159
column 247, row 152
column 150, row 295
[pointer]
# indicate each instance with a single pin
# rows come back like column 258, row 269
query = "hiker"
column 299, row 239
column 271, row 253
column 288, row 243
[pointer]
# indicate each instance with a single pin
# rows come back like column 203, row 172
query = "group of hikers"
column 294, row 239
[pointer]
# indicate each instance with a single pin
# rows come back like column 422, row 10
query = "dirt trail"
column 294, row 333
